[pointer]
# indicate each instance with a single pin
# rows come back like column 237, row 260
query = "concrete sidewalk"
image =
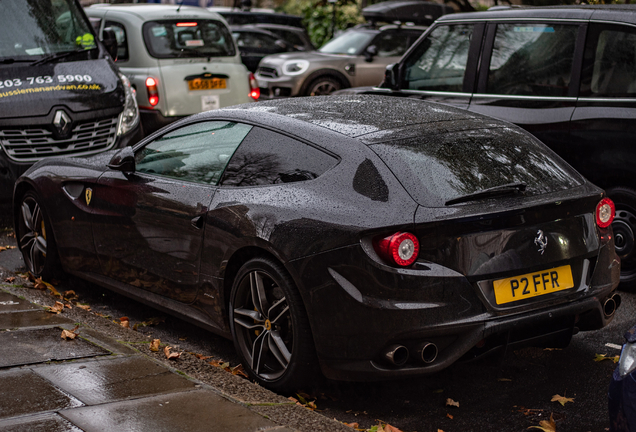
column 97, row 383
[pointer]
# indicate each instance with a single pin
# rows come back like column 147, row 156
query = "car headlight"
column 627, row 363
column 295, row 67
column 129, row 118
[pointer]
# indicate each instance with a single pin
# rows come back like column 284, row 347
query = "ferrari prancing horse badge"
column 89, row 195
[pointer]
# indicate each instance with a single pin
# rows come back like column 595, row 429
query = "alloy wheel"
column 32, row 242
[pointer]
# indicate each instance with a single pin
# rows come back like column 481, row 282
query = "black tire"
column 270, row 328
column 35, row 238
column 624, row 227
column 323, row 86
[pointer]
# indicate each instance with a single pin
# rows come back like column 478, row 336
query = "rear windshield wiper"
column 56, row 56
column 507, row 189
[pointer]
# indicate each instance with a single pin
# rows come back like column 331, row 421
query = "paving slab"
column 193, row 411
column 38, row 423
column 10, row 303
column 33, row 346
column 30, row 319
column 98, row 382
column 24, row 392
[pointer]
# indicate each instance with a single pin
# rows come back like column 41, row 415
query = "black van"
column 567, row 74
column 60, row 92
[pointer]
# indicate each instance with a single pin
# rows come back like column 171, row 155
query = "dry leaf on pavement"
column 450, row 402
column 10, row 279
column 56, row 308
column 4, row 248
column 561, row 399
column 546, row 425
column 154, row 345
column 83, row 306
column 601, row 357
column 169, row 355
column 124, row 322
column 70, row 334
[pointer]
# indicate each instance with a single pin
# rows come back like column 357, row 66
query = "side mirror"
column 370, row 52
column 109, row 39
column 391, row 77
column 124, row 161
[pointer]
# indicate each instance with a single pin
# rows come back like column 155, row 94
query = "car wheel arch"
column 331, row 73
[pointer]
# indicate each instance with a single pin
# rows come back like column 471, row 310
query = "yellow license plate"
column 207, row 84
column 533, row 284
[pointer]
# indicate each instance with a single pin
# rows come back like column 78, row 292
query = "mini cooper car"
column 181, row 60
column 372, row 237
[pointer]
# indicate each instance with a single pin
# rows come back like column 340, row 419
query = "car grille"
column 30, row 145
column 267, row 72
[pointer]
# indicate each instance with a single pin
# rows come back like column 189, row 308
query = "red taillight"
column 401, row 248
column 605, row 212
column 153, row 93
column 255, row 92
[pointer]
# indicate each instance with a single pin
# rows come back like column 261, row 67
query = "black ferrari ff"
column 368, row 237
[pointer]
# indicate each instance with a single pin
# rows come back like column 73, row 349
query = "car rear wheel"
column 270, row 327
column 35, row 238
column 323, row 86
column 624, row 227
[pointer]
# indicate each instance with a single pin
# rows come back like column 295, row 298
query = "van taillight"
column 255, row 92
column 605, row 212
column 400, row 248
column 151, row 88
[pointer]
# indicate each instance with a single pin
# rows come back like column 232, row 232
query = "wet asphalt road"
column 507, row 392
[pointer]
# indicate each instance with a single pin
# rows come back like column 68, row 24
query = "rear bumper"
column 358, row 314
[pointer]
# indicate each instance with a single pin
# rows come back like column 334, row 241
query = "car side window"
column 391, row 43
column 122, row 40
column 197, row 152
column 532, row 59
column 609, row 65
column 267, row 157
column 439, row 62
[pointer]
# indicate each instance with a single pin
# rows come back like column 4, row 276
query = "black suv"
column 567, row 74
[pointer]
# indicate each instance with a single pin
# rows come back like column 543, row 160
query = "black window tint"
column 439, row 167
column 532, row 59
column 439, row 62
column 267, row 157
column 609, row 67
column 197, row 152
column 122, row 40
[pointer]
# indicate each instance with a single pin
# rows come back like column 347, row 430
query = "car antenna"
column 180, row 4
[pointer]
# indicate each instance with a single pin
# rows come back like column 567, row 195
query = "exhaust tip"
column 427, row 352
column 609, row 307
column 396, row 354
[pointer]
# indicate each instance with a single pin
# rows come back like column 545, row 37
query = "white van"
column 181, row 60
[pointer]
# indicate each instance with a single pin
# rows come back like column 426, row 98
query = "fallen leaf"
column 561, row 399
column 68, row 306
column 546, row 425
column 450, row 416
column 352, row 425
column 83, row 306
column 202, row 357
column 10, row 279
column 69, row 334
column 124, row 322
column 450, row 402
column 154, row 345
column 153, row 321
column 389, row 428
column 170, row 355
column 601, row 357
column 56, row 308
column 69, row 295
column 4, row 248
column 238, row 370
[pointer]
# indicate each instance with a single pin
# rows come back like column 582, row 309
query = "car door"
column 388, row 47
column 149, row 225
column 442, row 66
column 526, row 76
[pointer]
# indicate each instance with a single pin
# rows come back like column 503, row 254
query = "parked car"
column 357, row 57
column 255, row 43
column 236, row 16
column 374, row 236
column 622, row 391
column 567, row 74
column 181, row 60
column 60, row 93
column 295, row 36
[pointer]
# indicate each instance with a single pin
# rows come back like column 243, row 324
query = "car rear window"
column 351, row 42
column 188, row 38
column 439, row 167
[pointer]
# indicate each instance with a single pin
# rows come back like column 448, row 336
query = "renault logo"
column 62, row 122
column 542, row 241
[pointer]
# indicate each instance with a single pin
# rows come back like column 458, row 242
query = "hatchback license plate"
column 207, row 84
column 533, row 284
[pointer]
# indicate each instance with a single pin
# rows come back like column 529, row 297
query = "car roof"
column 615, row 12
column 356, row 116
column 148, row 12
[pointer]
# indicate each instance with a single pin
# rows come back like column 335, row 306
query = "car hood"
column 29, row 91
column 311, row 56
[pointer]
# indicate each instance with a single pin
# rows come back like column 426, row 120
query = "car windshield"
column 191, row 38
column 437, row 168
column 351, row 42
column 32, row 29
